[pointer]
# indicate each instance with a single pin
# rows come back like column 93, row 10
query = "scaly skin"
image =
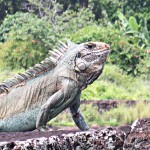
column 42, row 98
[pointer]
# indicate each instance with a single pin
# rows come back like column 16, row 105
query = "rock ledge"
column 102, row 139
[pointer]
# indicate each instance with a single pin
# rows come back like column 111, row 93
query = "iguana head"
column 91, row 57
column 86, row 60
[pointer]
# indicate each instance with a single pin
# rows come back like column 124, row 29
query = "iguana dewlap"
column 30, row 100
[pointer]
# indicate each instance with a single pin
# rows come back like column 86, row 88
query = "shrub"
column 14, row 22
column 65, row 21
column 27, row 40
column 137, row 28
column 71, row 21
column 21, row 54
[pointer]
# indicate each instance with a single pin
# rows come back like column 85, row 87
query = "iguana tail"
column 25, row 121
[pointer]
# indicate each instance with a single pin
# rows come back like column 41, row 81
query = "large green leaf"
column 123, row 19
column 133, row 23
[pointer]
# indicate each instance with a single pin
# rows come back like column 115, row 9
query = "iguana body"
column 28, row 102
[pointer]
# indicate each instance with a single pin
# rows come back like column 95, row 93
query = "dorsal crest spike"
column 58, row 52
column 44, row 66
column 18, row 76
column 70, row 43
column 62, row 49
column 53, row 60
column 24, row 76
column 54, row 54
column 63, row 44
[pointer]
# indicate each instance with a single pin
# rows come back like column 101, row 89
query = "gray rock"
column 108, row 138
column 139, row 137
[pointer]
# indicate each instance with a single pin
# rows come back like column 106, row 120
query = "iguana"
column 30, row 100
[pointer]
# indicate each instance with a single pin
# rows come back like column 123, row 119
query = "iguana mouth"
column 104, row 54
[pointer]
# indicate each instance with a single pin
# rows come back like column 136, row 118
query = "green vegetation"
column 118, row 116
column 137, row 30
column 113, row 84
column 30, row 28
column 24, row 42
column 115, row 117
column 8, row 73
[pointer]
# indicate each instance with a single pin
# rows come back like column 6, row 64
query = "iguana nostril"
column 107, row 46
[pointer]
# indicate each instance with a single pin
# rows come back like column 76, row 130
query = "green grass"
column 115, row 117
column 5, row 74
column 114, row 84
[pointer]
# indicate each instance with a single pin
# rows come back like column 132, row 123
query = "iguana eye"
column 90, row 45
column 79, row 55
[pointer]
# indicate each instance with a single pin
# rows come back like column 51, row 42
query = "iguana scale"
column 31, row 99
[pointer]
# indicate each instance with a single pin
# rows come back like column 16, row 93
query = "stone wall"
column 106, row 105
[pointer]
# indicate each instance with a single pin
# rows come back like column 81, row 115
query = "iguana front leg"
column 77, row 115
column 52, row 102
column 60, row 100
